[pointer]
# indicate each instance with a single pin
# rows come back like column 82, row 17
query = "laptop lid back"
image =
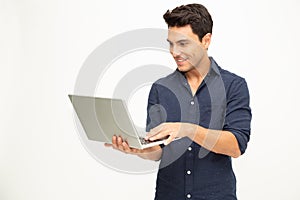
column 101, row 118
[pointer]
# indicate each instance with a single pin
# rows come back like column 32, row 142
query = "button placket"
column 188, row 173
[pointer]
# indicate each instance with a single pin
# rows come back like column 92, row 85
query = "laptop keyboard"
column 143, row 141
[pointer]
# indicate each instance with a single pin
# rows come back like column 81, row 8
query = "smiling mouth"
column 180, row 60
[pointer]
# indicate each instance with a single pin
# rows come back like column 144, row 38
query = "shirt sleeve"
column 153, row 109
column 238, row 113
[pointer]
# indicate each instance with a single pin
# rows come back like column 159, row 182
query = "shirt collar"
column 214, row 67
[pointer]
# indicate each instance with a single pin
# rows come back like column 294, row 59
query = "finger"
column 169, row 140
column 120, row 143
column 108, row 145
column 129, row 149
column 154, row 131
column 126, row 147
column 161, row 135
column 114, row 139
column 114, row 142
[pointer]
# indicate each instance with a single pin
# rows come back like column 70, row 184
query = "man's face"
column 186, row 48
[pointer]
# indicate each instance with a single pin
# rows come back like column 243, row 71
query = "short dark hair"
column 195, row 15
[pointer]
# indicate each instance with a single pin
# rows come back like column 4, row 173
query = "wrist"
column 192, row 131
column 196, row 131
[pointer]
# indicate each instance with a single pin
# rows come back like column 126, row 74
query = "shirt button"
column 188, row 196
column 192, row 102
column 188, row 172
column 190, row 148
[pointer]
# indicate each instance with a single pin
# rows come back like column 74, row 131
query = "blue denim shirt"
column 187, row 170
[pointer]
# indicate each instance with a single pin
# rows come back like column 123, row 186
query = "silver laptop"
column 101, row 118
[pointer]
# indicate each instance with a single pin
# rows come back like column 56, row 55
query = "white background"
column 43, row 45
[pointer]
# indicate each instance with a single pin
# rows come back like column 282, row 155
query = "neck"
column 199, row 72
column 196, row 76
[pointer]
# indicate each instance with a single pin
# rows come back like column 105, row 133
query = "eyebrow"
column 183, row 40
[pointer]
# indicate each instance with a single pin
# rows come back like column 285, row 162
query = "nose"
column 175, row 51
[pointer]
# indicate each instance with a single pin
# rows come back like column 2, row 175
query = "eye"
column 182, row 44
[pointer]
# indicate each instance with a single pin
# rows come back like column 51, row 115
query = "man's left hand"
column 171, row 131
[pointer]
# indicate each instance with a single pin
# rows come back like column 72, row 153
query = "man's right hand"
column 151, row 153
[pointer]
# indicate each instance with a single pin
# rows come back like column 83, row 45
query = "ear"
column 206, row 40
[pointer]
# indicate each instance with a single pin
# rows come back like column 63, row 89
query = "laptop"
column 102, row 118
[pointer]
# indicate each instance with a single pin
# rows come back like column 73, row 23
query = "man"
column 205, row 108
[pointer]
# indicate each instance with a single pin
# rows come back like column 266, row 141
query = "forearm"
column 218, row 141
